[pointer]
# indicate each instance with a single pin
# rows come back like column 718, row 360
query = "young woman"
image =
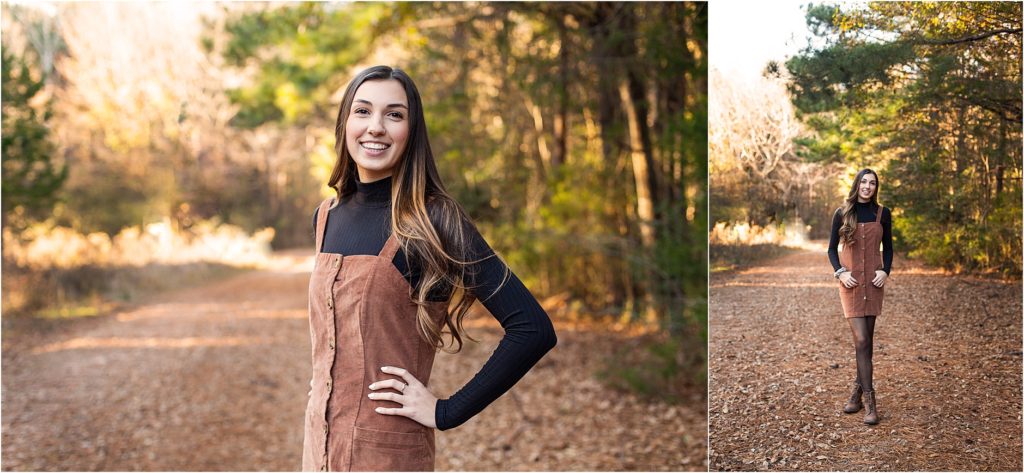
column 861, row 224
column 393, row 250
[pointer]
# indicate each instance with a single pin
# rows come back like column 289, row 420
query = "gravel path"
column 215, row 378
column 947, row 372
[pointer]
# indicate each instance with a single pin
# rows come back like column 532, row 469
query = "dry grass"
column 734, row 246
column 790, row 234
column 45, row 247
column 725, row 257
column 57, row 272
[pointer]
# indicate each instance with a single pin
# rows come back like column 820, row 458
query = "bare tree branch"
column 967, row 39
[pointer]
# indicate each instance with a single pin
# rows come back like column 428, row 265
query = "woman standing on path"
column 861, row 224
column 393, row 248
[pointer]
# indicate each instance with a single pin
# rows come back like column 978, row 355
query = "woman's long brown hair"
column 849, row 210
column 440, row 250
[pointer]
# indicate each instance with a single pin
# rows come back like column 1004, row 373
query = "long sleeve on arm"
column 529, row 334
column 887, row 240
column 833, row 241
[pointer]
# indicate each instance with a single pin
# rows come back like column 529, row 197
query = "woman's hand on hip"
column 880, row 277
column 847, row 279
column 418, row 403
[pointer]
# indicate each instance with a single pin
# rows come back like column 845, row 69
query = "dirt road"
column 947, row 372
column 215, row 378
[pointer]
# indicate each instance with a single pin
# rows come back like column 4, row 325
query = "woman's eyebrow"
column 390, row 105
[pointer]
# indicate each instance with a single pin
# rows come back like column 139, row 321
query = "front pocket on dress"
column 382, row 450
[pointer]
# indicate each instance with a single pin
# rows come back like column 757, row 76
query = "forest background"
column 928, row 94
column 146, row 142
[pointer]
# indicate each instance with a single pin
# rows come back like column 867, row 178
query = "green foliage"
column 858, row 136
column 31, row 178
column 302, row 53
column 844, row 73
column 651, row 367
column 929, row 94
column 125, row 200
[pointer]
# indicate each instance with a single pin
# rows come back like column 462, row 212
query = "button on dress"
column 361, row 317
column 863, row 257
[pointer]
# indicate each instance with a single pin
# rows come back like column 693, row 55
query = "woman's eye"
column 360, row 111
column 397, row 115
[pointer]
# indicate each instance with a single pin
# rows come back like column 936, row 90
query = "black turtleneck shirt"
column 361, row 225
column 866, row 212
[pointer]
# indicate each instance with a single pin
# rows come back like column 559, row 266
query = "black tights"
column 863, row 340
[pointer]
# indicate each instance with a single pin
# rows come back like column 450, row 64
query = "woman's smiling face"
column 867, row 187
column 377, row 128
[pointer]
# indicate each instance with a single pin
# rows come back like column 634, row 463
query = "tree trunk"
column 542, row 144
column 641, row 169
column 562, row 118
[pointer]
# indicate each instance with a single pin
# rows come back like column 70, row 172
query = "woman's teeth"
column 375, row 146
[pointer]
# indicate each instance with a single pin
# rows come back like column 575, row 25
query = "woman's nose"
column 375, row 128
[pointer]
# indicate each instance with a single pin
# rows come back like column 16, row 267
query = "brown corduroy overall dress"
column 863, row 258
column 360, row 319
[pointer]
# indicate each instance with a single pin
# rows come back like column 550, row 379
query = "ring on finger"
column 403, row 388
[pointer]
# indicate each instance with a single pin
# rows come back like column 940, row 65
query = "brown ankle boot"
column 870, row 413
column 854, row 404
